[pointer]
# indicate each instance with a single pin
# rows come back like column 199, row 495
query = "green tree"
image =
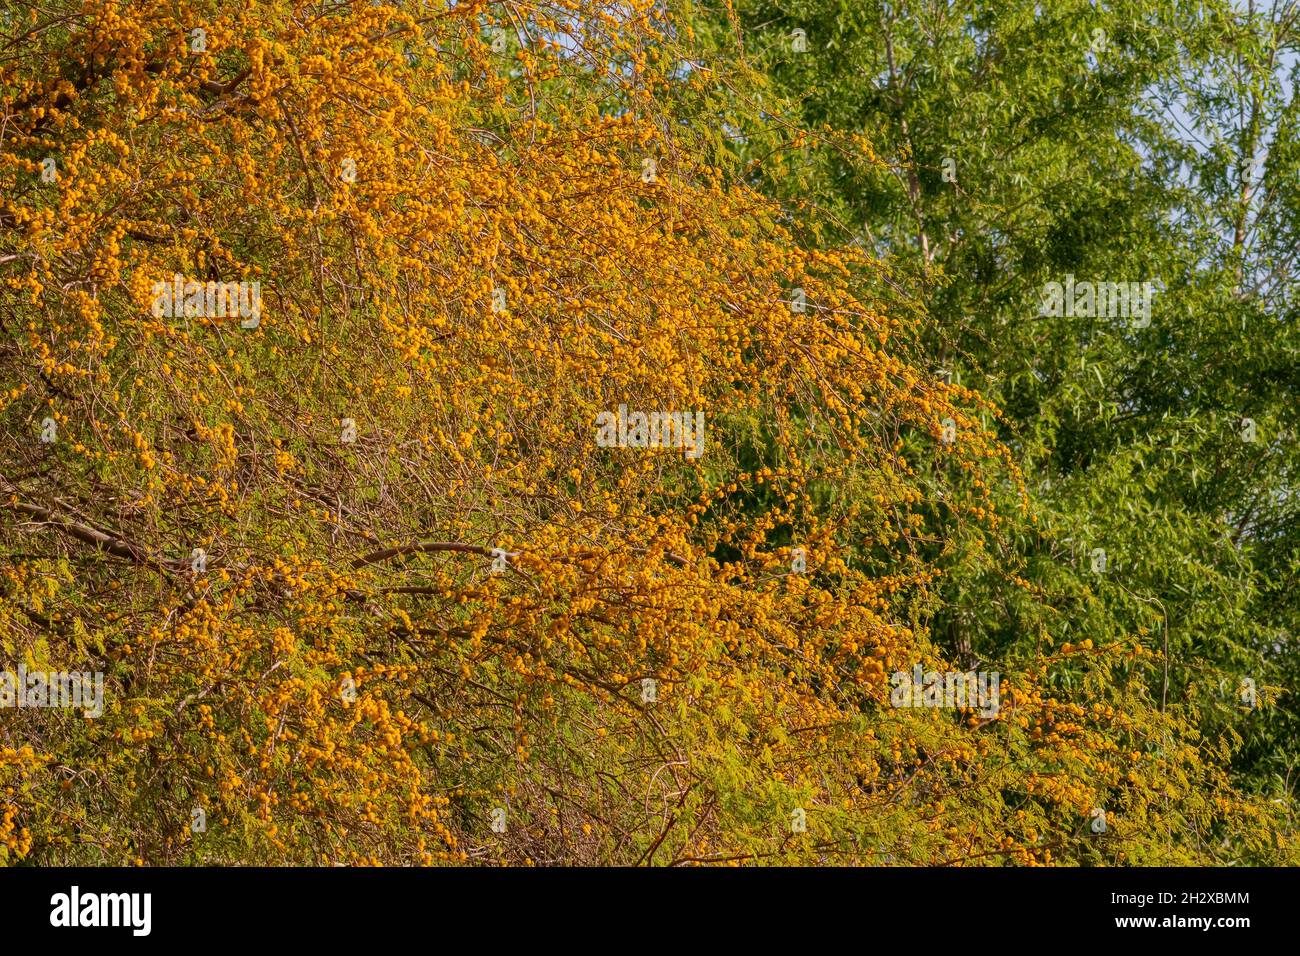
column 984, row 150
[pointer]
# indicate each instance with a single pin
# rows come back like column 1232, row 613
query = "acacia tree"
column 363, row 582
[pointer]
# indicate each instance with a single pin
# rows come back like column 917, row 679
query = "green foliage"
column 1143, row 141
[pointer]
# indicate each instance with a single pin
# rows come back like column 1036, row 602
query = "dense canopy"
column 324, row 333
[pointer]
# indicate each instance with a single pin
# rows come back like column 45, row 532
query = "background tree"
column 984, row 150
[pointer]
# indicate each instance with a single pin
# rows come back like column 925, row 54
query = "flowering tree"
column 310, row 314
